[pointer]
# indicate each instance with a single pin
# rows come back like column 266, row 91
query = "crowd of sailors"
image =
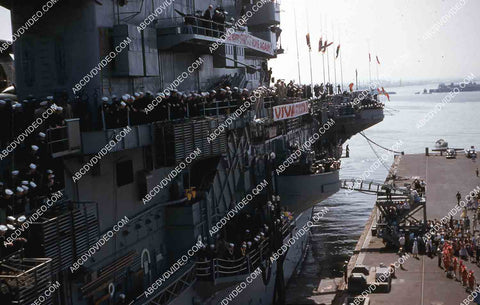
column 247, row 236
column 140, row 108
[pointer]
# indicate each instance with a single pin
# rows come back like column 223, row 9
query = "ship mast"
column 334, row 59
column 296, row 38
column 309, row 53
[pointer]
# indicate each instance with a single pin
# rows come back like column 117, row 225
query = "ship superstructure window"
column 124, row 173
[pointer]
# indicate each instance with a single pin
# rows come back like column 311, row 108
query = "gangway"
column 399, row 209
column 371, row 187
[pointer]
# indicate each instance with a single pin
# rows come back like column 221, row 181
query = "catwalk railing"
column 23, row 280
column 216, row 268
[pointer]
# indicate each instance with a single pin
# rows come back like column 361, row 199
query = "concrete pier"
column 421, row 281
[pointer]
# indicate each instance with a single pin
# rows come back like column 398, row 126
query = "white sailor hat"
column 262, row 234
column 44, row 103
column 59, row 109
column 2, row 102
column 3, row 228
column 24, row 182
column 25, row 188
column 123, row 104
column 19, row 189
column 231, row 245
column 10, row 227
column 34, row 147
column 212, row 246
column 49, row 171
column 247, row 230
column 136, row 94
column 17, row 105
column 157, row 94
column 8, row 192
column 141, row 93
column 11, row 219
column 161, row 95
column 21, row 219
column 50, row 98
column 41, row 135
column 249, row 243
column 223, row 90
column 32, row 166
column 15, row 172
column 113, row 96
column 105, row 99
column 174, row 90
column 213, row 92
column 125, row 97
column 32, row 184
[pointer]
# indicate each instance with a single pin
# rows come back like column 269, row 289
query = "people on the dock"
column 415, row 248
column 458, row 196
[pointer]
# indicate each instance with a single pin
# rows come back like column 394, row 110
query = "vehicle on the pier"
column 451, row 153
column 470, row 152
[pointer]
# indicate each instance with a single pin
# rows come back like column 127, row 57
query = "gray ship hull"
column 301, row 192
column 257, row 292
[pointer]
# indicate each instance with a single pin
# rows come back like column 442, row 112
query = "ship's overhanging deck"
column 173, row 38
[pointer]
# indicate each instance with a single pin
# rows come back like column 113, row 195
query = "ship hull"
column 301, row 192
column 256, row 292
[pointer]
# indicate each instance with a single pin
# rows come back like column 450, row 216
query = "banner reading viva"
column 289, row 111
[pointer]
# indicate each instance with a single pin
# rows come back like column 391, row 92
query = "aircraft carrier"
column 152, row 237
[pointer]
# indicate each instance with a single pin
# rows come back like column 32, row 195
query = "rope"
column 369, row 140
column 389, row 170
column 378, row 157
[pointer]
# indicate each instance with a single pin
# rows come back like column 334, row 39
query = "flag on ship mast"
column 320, row 45
column 378, row 61
column 308, row 41
column 369, row 57
column 326, row 45
column 338, row 51
column 386, row 94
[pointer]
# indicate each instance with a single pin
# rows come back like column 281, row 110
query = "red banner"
column 289, row 111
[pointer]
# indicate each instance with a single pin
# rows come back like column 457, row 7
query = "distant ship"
column 472, row 86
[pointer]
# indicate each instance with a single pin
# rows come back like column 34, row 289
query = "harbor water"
column 333, row 240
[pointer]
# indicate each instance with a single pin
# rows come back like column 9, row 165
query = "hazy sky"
column 392, row 29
